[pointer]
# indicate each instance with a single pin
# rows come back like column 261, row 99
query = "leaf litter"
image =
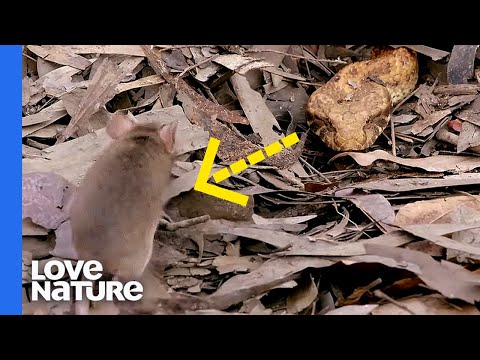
column 368, row 233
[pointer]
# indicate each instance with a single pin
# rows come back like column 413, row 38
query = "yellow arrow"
column 202, row 185
column 213, row 190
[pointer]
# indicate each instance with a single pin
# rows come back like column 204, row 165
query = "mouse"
column 120, row 202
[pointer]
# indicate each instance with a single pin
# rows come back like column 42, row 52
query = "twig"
column 434, row 85
column 308, row 70
column 314, row 170
column 467, row 194
column 405, row 100
column 173, row 47
column 294, row 56
column 29, row 57
column 196, row 65
column 392, row 135
column 165, row 224
column 380, row 294
column 373, row 284
column 48, row 102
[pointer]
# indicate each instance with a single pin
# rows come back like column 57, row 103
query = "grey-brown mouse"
column 119, row 204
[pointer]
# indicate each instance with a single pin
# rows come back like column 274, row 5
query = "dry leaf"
column 461, row 99
column 471, row 113
column 240, row 64
column 429, row 120
column 205, row 73
column 284, row 74
column 279, row 239
column 97, row 120
column 469, row 137
column 261, row 119
column 275, row 181
column 36, row 247
column 174, row 59
column 451, row 280
column 254, row 307
column 461, row 64
column 257, row 219
column 440, row 163
column 403, row 119
column 323, row 248
column 228, row 264
column 434, row 54
column 26, row 267
column 254, row 76
column 57, row 82
column 183, row 183
column 419, row 183
column 48, row 132
column 288, row 103
column 436, row 211
column 272, row 273
column 44, row 67
column 302, row 297
column 468, row 216
column 142, row 82
column 430, row 232
column 427, row 247
column 376, row 206
column 53, row 112
column 60, row 55
column 31, row 229
column 43, row 197
column 338, row 229
column 353, row 310
column 102, row 89
column 133, row 50
column 63, row 242
column 425, row 305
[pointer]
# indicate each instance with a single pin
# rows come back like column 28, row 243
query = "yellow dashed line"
column 273, row 148
column 221, row 175
column 290, row 140
column 256, row 157
column 238, row 166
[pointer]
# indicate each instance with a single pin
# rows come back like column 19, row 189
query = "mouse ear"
column 122, row 121
column 167, row 134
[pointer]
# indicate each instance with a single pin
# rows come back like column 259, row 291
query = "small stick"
column 467, row 194
column 405, row 100
column 392, row 135
column 169, row 226
column 380, row 294
column 295, row 56
column 204, row 61
column 314, row 170
column 29, row 57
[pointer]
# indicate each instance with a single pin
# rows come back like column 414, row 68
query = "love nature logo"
column 83, row 275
